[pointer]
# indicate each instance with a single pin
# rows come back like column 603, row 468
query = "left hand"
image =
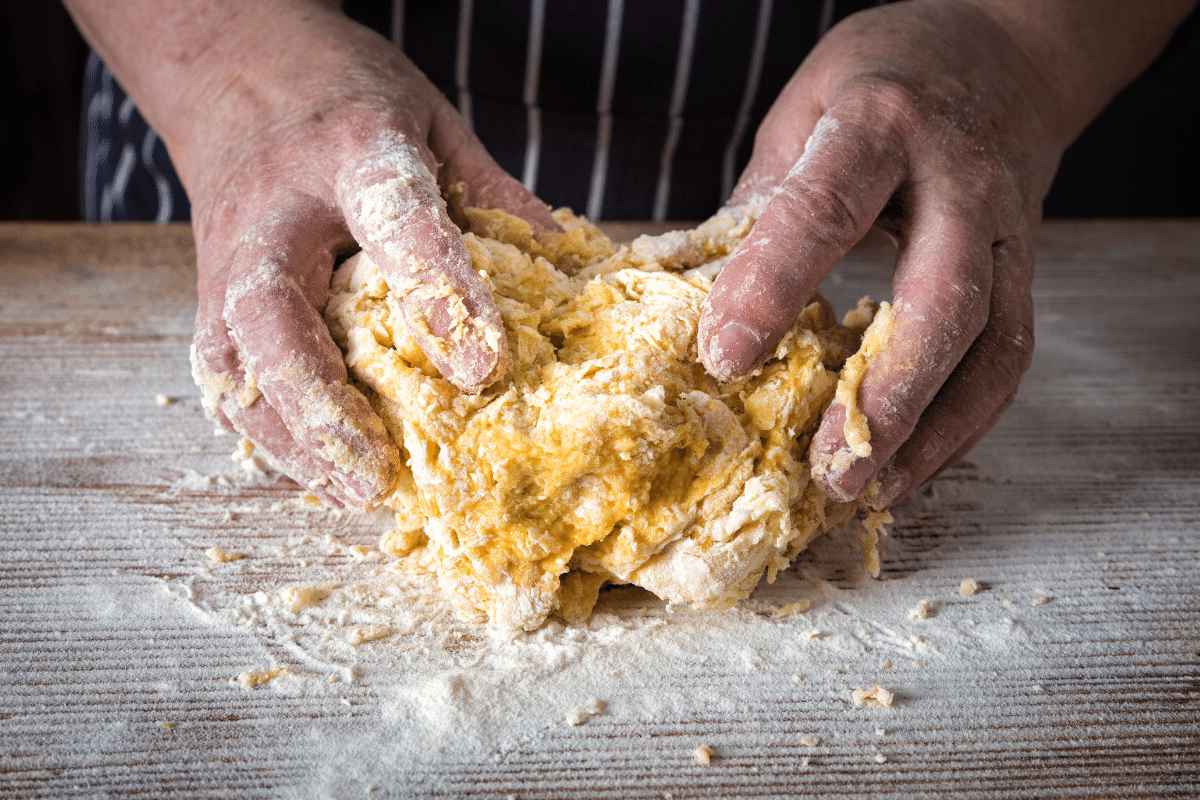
column 929, row 121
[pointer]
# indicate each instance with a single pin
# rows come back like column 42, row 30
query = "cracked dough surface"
column 605, row 454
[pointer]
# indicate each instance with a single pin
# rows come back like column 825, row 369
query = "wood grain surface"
column 120, row 643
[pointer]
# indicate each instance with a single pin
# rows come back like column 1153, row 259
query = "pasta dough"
column 606, row 454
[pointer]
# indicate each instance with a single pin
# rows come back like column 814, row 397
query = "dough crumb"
column 810, row 741
column 163, row 400
column 877, row 695
column 810, row 635
column 968, row 587
column 880, row 758
column 1041, row 601
column 299, row 598
column 251, row 679
column 791, row 609
column 369, row 634
column 922, row 609
column 583, row 713
column 244, row 450
column 703, row 755
column 219, row 556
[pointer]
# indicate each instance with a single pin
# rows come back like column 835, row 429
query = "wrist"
column 253, row 74
column 206, row 76
column 1083, row 53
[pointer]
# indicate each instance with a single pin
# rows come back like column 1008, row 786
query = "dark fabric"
column 569, row 83
column 1141, row 156
column 128, row 176
column 126, row 172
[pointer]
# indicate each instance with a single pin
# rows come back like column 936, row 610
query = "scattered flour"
column 363, row 631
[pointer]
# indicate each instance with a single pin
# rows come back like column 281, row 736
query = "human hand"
column 338, row 147
column 930, row 122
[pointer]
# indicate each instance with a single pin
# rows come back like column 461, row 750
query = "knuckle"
column 1009, row 336
column 834, row 221
column 1008, row 345
column 889, row 106
column 961, row 307
column 972, row 307
column 896, row 418
column 1016, row 347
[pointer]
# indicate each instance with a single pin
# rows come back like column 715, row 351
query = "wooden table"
column 1074, row 672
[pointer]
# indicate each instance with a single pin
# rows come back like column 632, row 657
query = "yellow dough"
column 605, row 454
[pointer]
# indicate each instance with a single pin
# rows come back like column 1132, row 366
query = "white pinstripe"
column 114, row 193
column 161, row 187
column 826, row 21
column 398, row 23
column 533, row 116
column 683, row 71
column 608, row 80
column 99, row 108
column 753, row 76
column 125, row 112
column 462, row 60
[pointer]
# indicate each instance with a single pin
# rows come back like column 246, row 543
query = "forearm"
column 192, row 67
column 1085, row 52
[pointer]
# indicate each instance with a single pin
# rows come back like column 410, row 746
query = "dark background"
column 1139, row 159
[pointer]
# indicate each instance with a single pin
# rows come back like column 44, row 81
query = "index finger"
column 826, row 203
column 396, row 213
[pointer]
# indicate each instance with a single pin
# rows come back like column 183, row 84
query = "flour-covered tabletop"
column 174, row 623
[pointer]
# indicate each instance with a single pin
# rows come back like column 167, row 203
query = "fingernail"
column 853, row 482
column 478, row 363
column 735, row 350
column 842, row 476
column 470, row 352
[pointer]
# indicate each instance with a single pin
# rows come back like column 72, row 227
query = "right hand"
column 328, row 138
